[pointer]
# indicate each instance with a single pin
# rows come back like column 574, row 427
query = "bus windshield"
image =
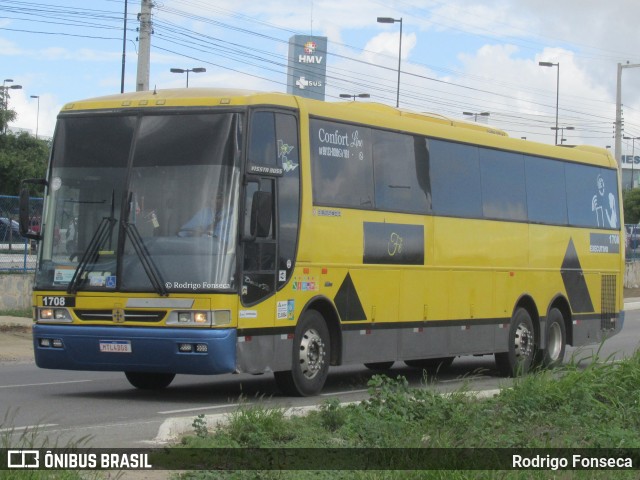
column 142, row 203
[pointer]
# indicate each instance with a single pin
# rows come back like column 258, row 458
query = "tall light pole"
column 476, row 115
column 359, row 95
column 633, row 153
column 549, row 64
column 394, row 20
column 5, row 91
column 618, row 125
column 37, row 114
column 187, row 70
column 124, row 47
column 562, row 129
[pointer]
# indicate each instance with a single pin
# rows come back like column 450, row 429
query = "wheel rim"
column 523, row 341
column 312, row 353
column 554, row 341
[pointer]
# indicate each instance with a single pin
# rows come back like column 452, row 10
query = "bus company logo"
column 117, row 315
column 309, row 47
column 395, row 244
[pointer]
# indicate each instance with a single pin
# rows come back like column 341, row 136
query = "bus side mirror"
column 261, row 214
column 25, row 209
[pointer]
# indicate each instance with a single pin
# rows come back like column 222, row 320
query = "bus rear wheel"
column 149, row 381
column 310, row 357
column 520, row 356
column 555, row 340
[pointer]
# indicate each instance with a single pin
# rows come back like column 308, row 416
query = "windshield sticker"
column 63, row 275
column 285, row 149
column 604, row 206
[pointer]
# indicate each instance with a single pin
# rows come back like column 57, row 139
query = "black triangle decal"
column 574, row 282
column 347, row 301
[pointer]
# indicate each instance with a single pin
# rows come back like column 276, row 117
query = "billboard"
column 307, row 70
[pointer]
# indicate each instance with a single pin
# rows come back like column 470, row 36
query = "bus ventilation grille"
column 608, row 303
column 129, row 315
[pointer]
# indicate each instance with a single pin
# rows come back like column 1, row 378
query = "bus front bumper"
column 135, row 349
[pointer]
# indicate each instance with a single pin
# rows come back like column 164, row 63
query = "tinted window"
column 288, row 192
column 546, row 192
column 341, row 164
column 401, row 173
column 455, row 174
column 503, row 191
column 592, row 196
column 262, row 147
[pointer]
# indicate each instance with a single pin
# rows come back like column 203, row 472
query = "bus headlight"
column 198, row 318
column 54, row 315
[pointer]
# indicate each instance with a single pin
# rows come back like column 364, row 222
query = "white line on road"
column 42, row 384
column 28, row 427
column 210, row 407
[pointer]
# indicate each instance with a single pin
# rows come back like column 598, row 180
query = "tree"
column 21, row 156
column 6, row 115
column 631, row 199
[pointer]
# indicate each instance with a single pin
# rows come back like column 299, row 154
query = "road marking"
column 28, row 427
column 211, row 407
column 346, row 392
column 42, row 384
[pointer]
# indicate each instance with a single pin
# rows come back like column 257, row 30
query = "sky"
column 457, row 56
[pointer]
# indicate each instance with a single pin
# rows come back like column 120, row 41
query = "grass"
column 576, row 407
column 34, row 438
column 19, row 312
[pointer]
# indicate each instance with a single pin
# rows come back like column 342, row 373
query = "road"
column 101, row 409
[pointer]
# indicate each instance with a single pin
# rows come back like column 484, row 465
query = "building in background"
column 630, row 171
column 307, row 70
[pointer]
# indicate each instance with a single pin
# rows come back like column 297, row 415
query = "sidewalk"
column 632, row 303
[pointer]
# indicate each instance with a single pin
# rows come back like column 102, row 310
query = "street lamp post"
column 562, row 129
column 5, row 91
column 476, row 115
column 394, row 20
column 187, row 70
column 37, row 114
column 549, row 64
column 359, row 95
column 633, row 153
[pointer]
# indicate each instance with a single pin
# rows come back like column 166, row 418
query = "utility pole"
column 144, row 48
column 618, row 124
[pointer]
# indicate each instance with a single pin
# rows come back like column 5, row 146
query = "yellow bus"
column 208, row 231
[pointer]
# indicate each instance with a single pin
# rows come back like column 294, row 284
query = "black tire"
column 310, row 357
column 431, row 364
column 519, row 359
column 379, row 365
column 555, row 341
column 150, row 381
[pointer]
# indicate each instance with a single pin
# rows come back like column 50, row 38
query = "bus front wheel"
column 149, row 381
column 310, row 357
column 519, row 358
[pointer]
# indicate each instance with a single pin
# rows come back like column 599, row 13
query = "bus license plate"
column 115, row 346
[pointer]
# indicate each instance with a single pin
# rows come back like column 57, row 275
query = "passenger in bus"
column 209, row 221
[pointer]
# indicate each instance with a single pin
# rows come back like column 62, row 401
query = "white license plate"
column 115, row 346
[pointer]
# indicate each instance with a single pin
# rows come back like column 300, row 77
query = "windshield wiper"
column 92, row 253
column 147, row 262
column 149, row 266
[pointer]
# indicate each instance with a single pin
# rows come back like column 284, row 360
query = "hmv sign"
column 307, row 70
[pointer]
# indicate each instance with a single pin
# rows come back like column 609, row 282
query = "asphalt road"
column 101, row 409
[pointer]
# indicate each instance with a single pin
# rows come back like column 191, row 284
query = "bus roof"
column 362, row 112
